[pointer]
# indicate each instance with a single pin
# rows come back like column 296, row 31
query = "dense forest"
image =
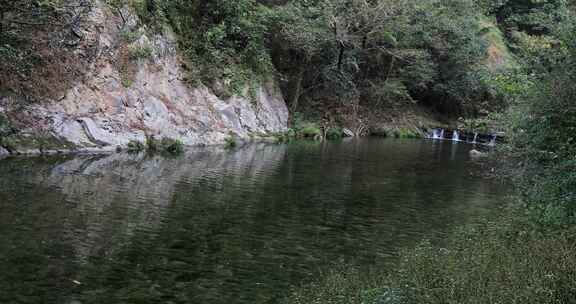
column 460, row 57
column 509, row 65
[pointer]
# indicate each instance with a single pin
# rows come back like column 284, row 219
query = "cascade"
column 493, row 141
column 455, row 136
column 434, row 134
column 438, row 134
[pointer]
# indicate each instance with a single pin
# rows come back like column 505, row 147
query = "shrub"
column 152, row 144
column 130, row 36
column 217, row 35
column 334, row 133
column 172, row 146
column 139, row 52
column 309, row 130
column 230, row 142
column 136, row 146
column 166, row 144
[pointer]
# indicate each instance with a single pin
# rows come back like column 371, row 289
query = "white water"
column 438, row 134
column 455, row 136
column 493, row 141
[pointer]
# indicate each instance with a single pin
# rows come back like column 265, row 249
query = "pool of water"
column 216, row 226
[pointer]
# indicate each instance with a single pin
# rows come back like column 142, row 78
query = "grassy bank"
column 502, row 260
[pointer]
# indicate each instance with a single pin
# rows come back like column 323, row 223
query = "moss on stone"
column 26, row 142
column 310, row 130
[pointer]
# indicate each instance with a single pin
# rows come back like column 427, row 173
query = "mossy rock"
column 334, row 133
column 310, row 131
column 23, row 142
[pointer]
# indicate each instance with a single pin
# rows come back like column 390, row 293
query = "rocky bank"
column 134, row 87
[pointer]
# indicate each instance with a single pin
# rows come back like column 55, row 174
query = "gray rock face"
column 348, row 133
column 104, row 111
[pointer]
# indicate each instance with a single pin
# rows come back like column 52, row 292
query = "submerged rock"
column 477, row 154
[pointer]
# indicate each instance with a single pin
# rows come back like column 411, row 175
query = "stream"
column 224, row 226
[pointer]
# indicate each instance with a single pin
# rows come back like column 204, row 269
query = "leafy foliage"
column 165, row 145
column 541, row 124
column 381, row 52
column 221, row 37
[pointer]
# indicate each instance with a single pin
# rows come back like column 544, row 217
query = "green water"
column 216, row 226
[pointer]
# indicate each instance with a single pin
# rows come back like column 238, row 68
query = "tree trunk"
column 392, row 60
column 2, row 13
column 341, row 56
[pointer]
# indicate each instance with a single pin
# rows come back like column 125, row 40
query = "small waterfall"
column 455, row 136
column 438, row 134
column 493, row 141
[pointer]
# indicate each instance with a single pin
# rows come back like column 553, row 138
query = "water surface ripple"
column 217, row 226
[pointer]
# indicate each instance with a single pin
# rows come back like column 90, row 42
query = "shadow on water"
column 236, row 226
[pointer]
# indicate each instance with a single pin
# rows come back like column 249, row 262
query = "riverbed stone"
column 477, row 154
column 4, row 152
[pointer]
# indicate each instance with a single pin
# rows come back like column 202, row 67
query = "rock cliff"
column 135, row 86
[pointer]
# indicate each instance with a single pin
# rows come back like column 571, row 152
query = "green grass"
column 499, row 55
column 502, row 260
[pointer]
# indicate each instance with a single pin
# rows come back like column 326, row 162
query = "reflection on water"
column 222, row 226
